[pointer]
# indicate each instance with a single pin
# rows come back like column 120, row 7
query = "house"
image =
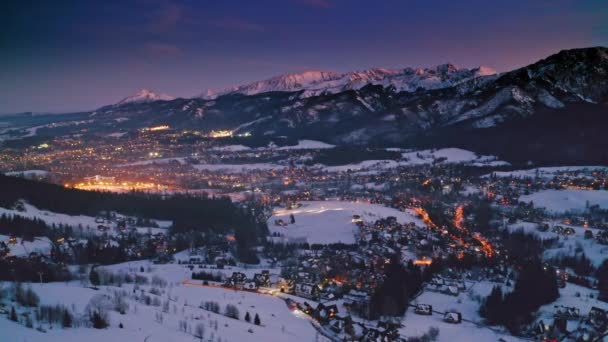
column 324, row 313
column 339, row 324
column 565, row 312
column 262, row 279
column 284, row 285
column 598, row 317
column 358, row 302
column 237, row 279
column 250, row 286
column 452, row 317
column 306, row 290
column 602, row 237
column 103, row 228
column 450, row 290
column 561, row 327
column 540, row 328
column 195, row 260
column 424, row 309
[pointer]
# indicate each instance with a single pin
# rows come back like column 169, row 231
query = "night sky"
column 59, row 56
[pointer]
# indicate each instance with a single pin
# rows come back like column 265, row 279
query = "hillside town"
column 443, row 223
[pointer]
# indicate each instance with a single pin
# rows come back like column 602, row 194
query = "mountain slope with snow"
column 145, row 95
column 314, row 83
column 553, row 109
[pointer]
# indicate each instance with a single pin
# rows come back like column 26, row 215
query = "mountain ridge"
column 316, row 82
column 565, row 85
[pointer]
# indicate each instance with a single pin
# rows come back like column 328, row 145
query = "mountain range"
column 554, row 109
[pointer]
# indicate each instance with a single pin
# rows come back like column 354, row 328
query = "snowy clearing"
column 544, row 172
column 331, row 221
column 236, row 168
column 559, row 201
column 307, row 145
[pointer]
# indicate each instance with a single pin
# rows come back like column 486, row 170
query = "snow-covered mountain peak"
column 145, row 95
column 313, row 83
column 484, row 71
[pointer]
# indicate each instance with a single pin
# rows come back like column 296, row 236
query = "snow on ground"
column 452, row 156
column 231, row 148
column 28, row 173
column 87, row 223
column 445, row 155
column 544, row 172
column 559, row 201
column 470, row 190
column 177, row 273
column 117, row 134
column 572, row 296
column 32, row 131
column 307, row 145
column 236, row 168
column 367, row 164
column 181, row 160
column 41, row 245
column 50, row 217
column 417, row 325
column 467, row 303
column 567, row 245
column 331, row 221
column 278, row 323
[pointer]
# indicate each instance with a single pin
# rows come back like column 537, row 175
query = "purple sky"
column 62, row 56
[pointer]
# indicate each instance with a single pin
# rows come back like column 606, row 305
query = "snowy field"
column 140, row 322
column 28, row 173
column 417, row 325
column 236, row 168
column 301, row 145
column 573, row 295
column 41, row 245
column 423, row 157
column 559, row 201
column 567, row 246
column 88, row 224
column 181, row 160
column 50, row 217
column 307, row 145
column 545, row 172
column 230, row 148
column 467, row 303
column 331, row 221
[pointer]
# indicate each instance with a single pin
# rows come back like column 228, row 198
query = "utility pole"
column 40, row 273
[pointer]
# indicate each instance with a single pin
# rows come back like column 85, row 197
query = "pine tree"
column 94, row 278
column 492, row 307
column 66, row 322
column 602, row 278
column 256, row 320
column 98, row 321
column 14, row 315
column 247, row 317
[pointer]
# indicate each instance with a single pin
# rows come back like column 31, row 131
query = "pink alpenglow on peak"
column 146, row 95
column 313, row 83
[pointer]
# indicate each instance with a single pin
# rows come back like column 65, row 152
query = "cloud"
column 162, row 49
column 236, row 25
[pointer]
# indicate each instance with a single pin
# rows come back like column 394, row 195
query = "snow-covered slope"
column 145, row 95
column 315, row 83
